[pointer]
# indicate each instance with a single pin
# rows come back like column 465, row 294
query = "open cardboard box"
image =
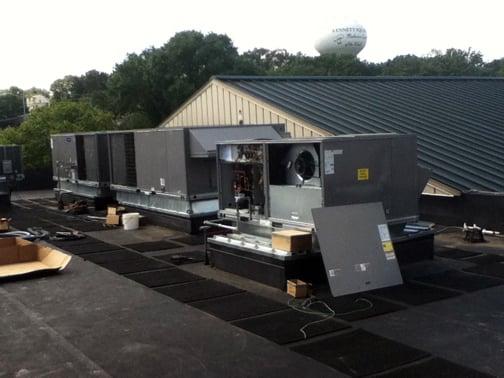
column 20, row 257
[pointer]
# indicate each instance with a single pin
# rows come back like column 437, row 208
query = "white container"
column 130, row 221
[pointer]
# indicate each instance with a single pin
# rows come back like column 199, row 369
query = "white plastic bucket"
column 130, row 221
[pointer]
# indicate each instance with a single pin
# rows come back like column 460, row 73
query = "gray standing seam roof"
column 458, row 121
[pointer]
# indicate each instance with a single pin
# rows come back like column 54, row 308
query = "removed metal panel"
column 356, row 248
column 202, row 140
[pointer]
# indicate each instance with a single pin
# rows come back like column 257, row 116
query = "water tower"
column 347, row 39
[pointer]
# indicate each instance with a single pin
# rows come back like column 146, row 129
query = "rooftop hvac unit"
column 175, row 169
column 266, row 187
column 11, row 170
column 81, row 164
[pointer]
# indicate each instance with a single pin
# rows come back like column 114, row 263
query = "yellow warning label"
column 363, row 174
column 387, row 246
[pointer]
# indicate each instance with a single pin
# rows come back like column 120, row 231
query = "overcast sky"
column 41, row 41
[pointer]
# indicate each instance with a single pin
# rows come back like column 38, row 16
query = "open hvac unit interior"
column 269, row 186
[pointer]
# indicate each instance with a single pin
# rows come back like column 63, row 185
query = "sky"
column 41, row 41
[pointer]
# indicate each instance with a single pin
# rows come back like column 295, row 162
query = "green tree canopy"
column 90, row 87
column 11, row 103
column 453, row 62
column 35, row 91
column 60, row 117
column 137, row 120
column 495, row 68
column 65, row 89
column 160, row 79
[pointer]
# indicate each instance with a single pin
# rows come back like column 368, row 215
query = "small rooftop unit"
column 11, row 170
column 81, row 164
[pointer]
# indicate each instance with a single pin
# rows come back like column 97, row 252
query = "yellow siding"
column 219, row 104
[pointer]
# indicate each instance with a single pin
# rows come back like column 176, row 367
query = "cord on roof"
column 305, row 307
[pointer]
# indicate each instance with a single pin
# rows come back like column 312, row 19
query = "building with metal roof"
column 458, row 121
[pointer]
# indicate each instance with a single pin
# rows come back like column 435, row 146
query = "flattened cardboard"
column 20, row 257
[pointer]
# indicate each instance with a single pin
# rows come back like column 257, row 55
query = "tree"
column 36, row 91
column 160, row 79
column 60, row 117
column 12, row 107
column 325, row 65
column 128, row 88
column 405, row 65
column 65, row 89
column 269, row 61
column 90, row 87
column 456, row 62
column 451, row 63
column 137, row 120
column 494, row 68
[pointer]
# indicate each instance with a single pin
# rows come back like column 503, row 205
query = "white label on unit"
column 52, row 143
column 390, row 255
column 161, row 181
column 384, row 232
column 329, row 156
column 362, row 267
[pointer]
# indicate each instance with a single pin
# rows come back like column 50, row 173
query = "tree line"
column 152, row 84
column 146, row 87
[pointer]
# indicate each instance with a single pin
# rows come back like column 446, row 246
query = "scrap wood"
column 78, row 207
column 67, row 235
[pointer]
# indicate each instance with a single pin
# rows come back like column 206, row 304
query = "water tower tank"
column 347, row 39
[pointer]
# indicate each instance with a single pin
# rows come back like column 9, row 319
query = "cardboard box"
column 292, row 240
column 4, row 224
column 115, row 210
column 113, row 219
column 20, row 257
column 298, row 289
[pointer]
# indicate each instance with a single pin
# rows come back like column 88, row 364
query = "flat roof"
column 89, row 320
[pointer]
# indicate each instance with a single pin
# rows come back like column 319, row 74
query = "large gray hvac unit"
column 175, row 169
column 267, row 186
column 81, row 164
column 11, row 170
column 284, row 180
